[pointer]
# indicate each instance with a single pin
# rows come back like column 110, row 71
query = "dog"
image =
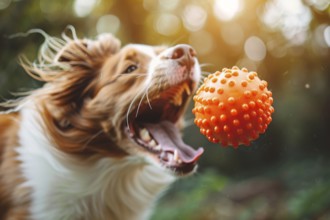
column 101, row 139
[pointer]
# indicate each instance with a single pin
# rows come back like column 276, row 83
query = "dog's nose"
column 183, row 51
column 184, row 55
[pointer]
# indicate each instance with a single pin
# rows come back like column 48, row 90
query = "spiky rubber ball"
column 233, row 107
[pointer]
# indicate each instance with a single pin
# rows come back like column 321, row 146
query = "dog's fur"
column 69, row 150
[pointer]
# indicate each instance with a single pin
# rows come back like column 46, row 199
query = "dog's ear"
column 71, row 86
column 88, row 53
column 80, row 61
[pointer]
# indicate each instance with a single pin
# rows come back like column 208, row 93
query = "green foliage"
column 311, row 202
column 187, row 197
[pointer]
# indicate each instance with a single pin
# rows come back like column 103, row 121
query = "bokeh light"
column 255, row 49
column 227, row 9
column 194, row 17
column 327, row 35
column 202, row 41
column 319, row 44
column 168, row 4
column 291, row 17
column 167, row 24
column 4, row 4
column 108, row 24
column 232, row 33
column 82, row 8
column 276, row 49
column 320, row 5
column 150, row 5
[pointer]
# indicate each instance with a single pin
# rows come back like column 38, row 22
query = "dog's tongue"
column 168, row 136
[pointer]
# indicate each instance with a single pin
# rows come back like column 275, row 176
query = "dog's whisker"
column 139, row 105
column 206, row 64
column 148, row 100
column 130, row 108
column 160, row 84
column 177, row 40
column 89, row 140
column 140, row 102
column 135, row 74
column 145, row 92
column 189, row 122
column 145, row 95
column 204, row 73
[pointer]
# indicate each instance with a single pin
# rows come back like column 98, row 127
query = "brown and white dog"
column 101, row 139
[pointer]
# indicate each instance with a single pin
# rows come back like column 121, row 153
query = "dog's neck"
column 66, row 188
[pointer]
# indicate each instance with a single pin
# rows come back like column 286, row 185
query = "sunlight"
column 226, row 9
column 291, row 17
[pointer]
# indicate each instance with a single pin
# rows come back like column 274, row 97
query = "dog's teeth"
column 162, row 155
column 187, row 89
column 176, row 155
column 152, row 143
column 170, row 157
column 157, row 148
column 177, row 100
column 144, row 134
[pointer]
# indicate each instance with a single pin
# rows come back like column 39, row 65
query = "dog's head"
column 111, row 101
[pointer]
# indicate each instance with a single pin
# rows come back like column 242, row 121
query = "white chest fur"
column 66, row 188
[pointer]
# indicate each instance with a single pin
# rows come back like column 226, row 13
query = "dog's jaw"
column 173, row 76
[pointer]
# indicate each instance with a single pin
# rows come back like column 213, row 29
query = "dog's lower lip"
column 179, row 158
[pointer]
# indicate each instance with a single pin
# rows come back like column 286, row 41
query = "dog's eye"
column 130, row 69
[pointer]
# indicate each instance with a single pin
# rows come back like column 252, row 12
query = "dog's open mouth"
column 154, row 128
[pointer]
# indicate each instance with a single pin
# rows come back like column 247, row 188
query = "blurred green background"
column 285, row 174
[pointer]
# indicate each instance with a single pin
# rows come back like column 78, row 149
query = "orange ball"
column 233, row 107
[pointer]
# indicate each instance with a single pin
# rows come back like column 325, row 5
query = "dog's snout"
column 181, row 62
column 182, row 51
